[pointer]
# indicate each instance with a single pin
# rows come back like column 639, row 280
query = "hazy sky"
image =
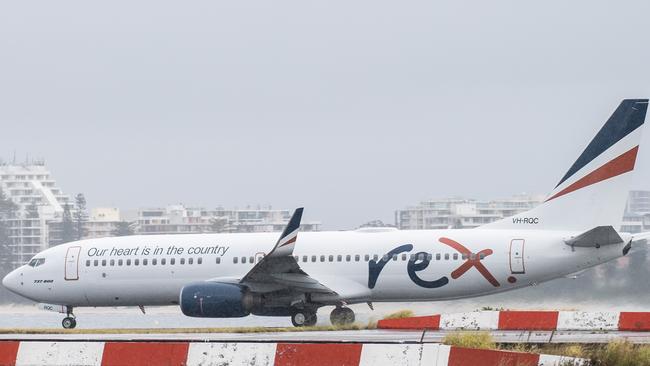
column 350, row 108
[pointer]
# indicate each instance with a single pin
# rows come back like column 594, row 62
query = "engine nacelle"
column 216, row 300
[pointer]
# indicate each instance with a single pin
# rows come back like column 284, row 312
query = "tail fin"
column 594, row 190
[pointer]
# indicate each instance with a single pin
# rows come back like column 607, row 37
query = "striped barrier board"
column 37, row 353
column 525, row 320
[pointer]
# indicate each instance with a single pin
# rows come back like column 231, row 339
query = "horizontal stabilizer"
column 596, row 237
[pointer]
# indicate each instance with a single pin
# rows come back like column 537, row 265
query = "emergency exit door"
column 517, row 256
column 72, row 263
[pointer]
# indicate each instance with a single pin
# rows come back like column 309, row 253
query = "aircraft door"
column 517, row 256
column 259, row 256
column 72, row 263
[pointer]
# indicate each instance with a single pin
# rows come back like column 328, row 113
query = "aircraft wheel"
column 69, row 323
column 303, row 317
column 342, row 316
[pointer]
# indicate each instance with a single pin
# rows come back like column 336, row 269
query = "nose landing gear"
column 69, row 322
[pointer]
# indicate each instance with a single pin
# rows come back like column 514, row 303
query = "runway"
column 351, row 336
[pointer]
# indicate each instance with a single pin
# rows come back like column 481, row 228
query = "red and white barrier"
column 525, row 320
column 258, row 354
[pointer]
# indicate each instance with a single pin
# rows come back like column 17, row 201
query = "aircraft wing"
column 279, row 270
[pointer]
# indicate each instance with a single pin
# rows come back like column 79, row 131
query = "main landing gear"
column 69, row 322
column 303, row 317
column 342, row 316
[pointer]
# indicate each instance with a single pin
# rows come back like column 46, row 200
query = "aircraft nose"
column 11, row 280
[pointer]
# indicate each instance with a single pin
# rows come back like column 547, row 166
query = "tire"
column 303, row 318
column 342, row 316
column 69, row 323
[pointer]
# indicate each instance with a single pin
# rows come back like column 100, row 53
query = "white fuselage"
column 103, row 272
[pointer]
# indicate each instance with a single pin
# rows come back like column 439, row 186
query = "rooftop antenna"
column 14, row 161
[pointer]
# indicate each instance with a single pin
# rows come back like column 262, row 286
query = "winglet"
column 287, row 240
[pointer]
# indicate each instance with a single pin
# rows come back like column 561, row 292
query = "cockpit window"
column 36, row 262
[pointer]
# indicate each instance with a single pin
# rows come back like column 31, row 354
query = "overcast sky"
column 350, row 108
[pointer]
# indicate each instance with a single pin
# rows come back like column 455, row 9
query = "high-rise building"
column 38, row 200
column 178, row 219
column 461, row 213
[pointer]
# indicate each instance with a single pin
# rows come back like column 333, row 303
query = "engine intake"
column 216, row 300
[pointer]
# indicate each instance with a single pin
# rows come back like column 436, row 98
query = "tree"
column 67, row 226
column 123, row 228
column 218, row 224
column 80, row 216
column 7, row 211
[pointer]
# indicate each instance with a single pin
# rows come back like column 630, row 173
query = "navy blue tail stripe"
column 629, row 115
column 293, row 224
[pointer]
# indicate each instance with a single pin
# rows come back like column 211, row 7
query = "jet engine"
column 217, row 300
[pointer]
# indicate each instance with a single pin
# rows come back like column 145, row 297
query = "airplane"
column 237, row 274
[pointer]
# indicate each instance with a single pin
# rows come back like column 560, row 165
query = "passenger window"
column 331, row 257
column 366, row 257
column 95, row 262
column 112, row 262
column 394, row 257
column 145, row 261
column 339, row 258
column 103, row 262
column 234, row 260
column 252, row 260
column 154, row 262
column 120, row 262
column 136, row 262
column 472, row 256
column 183, row 260
column 404, row 256
column 128, row 262
column 375, row 257
column 200, row 260
column 357, row 257
column 455, row 256
column 243, row 260
column 163, row 261
column 304, row 258
column 464, row 256
column 429, row 256
column 190, row 261
column 172, row 261
column 313, row 258
column 421, row 256
column 481, row 256
column 348, row 258
column 437, row 256
column 322, row 258
column 218, row 260
column 297, row 258
column 412, row 257
column 446, row 256
column 88, row 263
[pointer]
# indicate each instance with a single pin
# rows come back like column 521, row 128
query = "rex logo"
column 420, row 261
